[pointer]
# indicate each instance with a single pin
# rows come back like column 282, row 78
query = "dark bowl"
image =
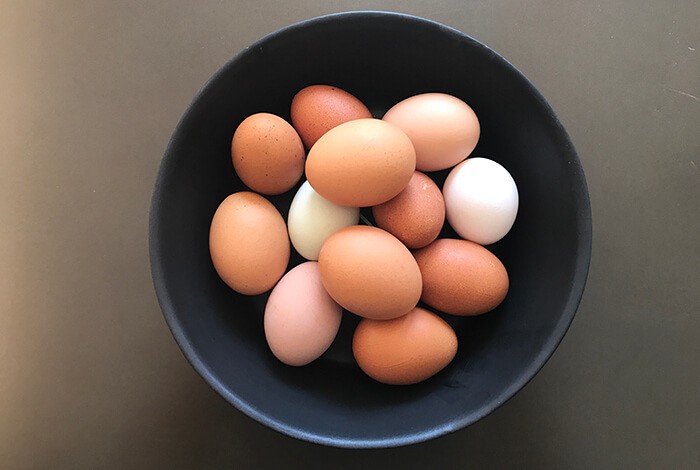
column 381, row 58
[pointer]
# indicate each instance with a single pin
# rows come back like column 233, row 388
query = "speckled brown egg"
column 405, row 350
column 267, row 154
column 416, row 215
column 248, row 243
column 317, row 109
column 361, row 163
column 370, row 272
column 461, row 277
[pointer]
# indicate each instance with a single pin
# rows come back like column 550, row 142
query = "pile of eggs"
column 379, row 273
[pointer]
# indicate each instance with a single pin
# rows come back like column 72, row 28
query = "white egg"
column 481, row 200
column 313, row 218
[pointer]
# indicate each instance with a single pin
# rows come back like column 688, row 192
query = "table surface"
column 90, row 376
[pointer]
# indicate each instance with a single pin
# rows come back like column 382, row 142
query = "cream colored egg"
column 313, row 218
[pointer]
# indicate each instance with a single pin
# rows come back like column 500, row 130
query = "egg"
column 481, row 200
column 248, row 243
column 461, row 277
column 416, row 215
column 317, row 109
column 444, row 129
column 405, row 350
column 361, row 163
column 370, row 272
column 301, row 320
column 267, row 154
column 312, row 219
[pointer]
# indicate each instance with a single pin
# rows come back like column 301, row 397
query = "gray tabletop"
column 90, row 376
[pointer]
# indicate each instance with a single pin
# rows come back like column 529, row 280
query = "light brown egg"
column 416, row 215
column 248, row 243
column 370, row 272
column 361, row 163
column 301, row 319
column 267, row 154
column 317, row 109
column 444, row 129
column 405, row 350
column 461, row 277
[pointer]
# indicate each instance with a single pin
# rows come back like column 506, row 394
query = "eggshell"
column 416, row 215
column 248, row 243
column 461, row 277
column 444, row 129
column 361, row 163
column 405, row 350
column 317, row 109
column 481, row 200
column 312, row 219
column 370, row 272
column 301, row 320
column 267, row 154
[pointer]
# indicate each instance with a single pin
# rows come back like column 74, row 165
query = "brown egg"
column 361, row 163
column 461, row 277
column 248, row 243
column 405, row 350
column 416, row 215
column 267, row 154
column 369, row 272
column 444, row 129
column 317, row 109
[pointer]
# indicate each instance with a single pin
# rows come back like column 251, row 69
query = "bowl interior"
column 380, row 58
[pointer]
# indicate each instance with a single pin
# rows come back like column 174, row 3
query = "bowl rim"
column 584, row 231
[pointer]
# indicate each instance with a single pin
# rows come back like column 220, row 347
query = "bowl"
column 381, row 58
